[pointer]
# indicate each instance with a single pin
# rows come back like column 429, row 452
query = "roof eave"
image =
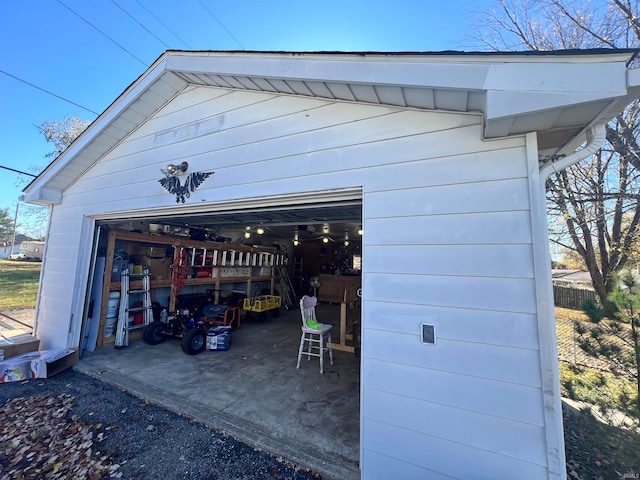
column 512, row 90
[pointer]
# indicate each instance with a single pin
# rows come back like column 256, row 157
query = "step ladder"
column 296, row 270
column 286, row 289
column 123, row 327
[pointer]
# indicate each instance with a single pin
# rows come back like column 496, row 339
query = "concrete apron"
column 253, row 391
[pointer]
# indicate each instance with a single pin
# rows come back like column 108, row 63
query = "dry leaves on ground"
column 38, row 440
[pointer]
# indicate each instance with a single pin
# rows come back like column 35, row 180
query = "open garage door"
column 255, row 386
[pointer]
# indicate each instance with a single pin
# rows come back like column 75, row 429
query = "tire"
column 194, row 341
column 153, row 333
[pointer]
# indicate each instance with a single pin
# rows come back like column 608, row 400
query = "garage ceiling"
column 312, row 223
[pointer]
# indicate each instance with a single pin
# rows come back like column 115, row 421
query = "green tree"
column 6, row 226
column 594, row 206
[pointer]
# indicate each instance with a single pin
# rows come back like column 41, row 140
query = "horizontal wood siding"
column 436, row 457
column 58, row 279
column 469, row 393
column 452, row 246
column 447, row 241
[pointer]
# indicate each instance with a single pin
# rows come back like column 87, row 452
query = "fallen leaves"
column 38, row 439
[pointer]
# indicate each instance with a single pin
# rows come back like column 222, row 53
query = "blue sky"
column 90, row 62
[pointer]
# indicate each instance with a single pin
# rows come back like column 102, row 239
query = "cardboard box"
column 41, row 364
column 159, row 268
column 218, row 339
column 151, row 251
column 17, row 342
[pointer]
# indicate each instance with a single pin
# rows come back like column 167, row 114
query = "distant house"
column 576, row 278
column 6, row 249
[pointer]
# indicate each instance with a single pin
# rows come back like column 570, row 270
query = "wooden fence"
column 571, row 297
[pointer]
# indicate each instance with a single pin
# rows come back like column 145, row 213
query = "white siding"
column 447, row 241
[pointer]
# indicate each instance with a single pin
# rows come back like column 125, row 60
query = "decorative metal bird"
column 191, row 183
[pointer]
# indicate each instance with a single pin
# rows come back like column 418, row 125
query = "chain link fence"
column 569, row 347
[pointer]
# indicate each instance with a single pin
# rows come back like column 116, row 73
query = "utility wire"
column 164, row 24
column 219, row 22
column 18, row 171
column 100, row 31
column 47, row 91
column 135, row 20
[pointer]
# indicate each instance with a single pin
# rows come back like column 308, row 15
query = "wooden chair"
column 312, row 340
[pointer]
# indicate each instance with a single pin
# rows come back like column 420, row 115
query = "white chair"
column 313, row 333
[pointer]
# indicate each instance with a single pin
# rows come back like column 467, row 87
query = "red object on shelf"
column 203, row 272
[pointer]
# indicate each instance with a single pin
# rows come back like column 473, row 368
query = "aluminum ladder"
column 286, row 289
column 123, row 327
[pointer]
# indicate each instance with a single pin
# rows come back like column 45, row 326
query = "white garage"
column 438, row 159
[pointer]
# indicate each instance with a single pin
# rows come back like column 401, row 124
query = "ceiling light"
column 259, row 230
column 325, row 240
column 325, row 228
column 346, row 239
column 296, row 240
column 360, row 231
column 247, row 233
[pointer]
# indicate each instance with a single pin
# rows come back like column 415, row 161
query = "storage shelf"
column 195, row 249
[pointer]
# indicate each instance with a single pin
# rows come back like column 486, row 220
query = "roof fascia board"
column 418, row 74
column 97, row 126
column 42, row 196
column 502, row 104
column 475, row 72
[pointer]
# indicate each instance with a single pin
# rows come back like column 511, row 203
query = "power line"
column 101, row 32
column 163, row 24
column 48, row 92
column 18, row 171
column 135, row 20
column 219, row 22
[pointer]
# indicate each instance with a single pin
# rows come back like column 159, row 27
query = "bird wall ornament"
column 171, row 181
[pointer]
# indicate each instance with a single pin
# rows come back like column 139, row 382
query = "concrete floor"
column 253, row 391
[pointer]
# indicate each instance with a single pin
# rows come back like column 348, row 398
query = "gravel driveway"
column 74, row 426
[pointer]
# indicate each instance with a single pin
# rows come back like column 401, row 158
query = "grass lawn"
column 18, row 284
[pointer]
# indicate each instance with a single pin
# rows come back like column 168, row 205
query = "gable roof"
column 558, row 94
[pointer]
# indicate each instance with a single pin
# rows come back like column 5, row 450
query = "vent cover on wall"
column 428, row 334
column 191, row 130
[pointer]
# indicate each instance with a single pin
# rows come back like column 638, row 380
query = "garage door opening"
column 253, row 389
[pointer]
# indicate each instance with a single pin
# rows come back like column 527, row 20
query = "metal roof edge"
column 475, row 53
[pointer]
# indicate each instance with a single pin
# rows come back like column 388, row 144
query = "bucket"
column 112, row 305
column 110, row 327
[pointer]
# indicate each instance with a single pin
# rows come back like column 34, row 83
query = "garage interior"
column 253, row 390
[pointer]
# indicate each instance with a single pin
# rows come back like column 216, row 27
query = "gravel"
column 75, row 426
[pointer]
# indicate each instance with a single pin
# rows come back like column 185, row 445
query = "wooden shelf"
column 252, row 258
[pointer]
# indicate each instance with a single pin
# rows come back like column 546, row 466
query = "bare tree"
column 594, row 206
column 62, row 133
